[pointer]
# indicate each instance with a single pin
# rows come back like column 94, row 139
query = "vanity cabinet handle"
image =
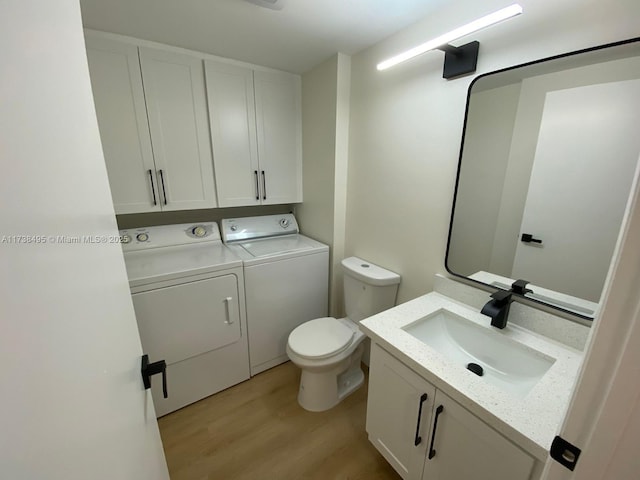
column 432, row 451
column 153, row 188
column 418, row 438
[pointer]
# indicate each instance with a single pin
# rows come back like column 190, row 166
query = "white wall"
column 406, row 123
column 325, row 120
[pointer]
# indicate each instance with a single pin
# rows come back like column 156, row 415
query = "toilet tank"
column 368, row 288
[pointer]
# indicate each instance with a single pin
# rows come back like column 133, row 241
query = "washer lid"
column 320, row 338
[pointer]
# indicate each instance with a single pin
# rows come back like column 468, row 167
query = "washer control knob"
column 199, row 231
column 125, row 239
column 142, row 237
column 233, row 228
column 284, row 222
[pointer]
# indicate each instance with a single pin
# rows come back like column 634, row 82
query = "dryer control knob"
column 199, row 231
column 284, row 223
column 142, row 237
column 233, row 228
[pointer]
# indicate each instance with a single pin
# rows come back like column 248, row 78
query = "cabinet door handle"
column 264, row 186
column 418, row 438
column 255, row 172
column 164, row 192
column 227, row 309
column 153, row 188
column 432, row 451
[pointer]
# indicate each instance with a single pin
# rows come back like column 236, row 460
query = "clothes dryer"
column 188, row 293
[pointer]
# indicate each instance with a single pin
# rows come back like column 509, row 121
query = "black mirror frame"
column 464, row 130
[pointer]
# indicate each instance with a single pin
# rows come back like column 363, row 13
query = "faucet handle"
column 519, row 287
column 501, row 297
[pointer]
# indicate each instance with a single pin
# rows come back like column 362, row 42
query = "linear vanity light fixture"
column 457, row 60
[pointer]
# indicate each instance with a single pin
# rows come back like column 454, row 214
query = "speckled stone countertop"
column 530, row 422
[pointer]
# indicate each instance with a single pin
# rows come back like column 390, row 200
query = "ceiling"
column 300, row 35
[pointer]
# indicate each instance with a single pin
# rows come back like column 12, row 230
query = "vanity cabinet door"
column 463, row 446
column 399, row 413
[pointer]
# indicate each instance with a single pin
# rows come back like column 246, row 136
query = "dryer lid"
column 320, row 338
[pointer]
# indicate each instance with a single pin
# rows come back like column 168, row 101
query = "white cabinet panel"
column 394, row 406
column 122, row 118
column 278, row 120
column 233, row 133
column 177, row 109
column 256, row 131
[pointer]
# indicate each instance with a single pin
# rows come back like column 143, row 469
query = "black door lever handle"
column 149, row 369
column 528, row 238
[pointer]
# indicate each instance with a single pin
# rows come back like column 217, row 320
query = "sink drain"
column 475, row 368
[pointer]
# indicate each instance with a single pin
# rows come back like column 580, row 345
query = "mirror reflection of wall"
column 551, row 152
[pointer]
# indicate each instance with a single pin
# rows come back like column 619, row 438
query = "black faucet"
column 498, row 308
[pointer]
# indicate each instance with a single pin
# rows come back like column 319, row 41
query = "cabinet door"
column 279, row 128
column 398, row 414
column 465, row 447
column 232, row 116
column 116, row 82
column 177, row 108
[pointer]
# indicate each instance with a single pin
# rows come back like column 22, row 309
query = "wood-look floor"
column 256, row 430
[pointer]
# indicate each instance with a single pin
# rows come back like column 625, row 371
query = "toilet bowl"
column 329, row 350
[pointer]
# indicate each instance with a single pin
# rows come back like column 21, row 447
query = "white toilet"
column 329, row 350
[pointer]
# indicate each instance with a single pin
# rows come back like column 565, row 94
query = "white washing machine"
column 188, row 294
column 286, row 279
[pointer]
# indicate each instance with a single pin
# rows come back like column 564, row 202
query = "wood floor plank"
column 257, row 430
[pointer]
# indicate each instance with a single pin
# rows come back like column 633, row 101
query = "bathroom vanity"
column 433, row 418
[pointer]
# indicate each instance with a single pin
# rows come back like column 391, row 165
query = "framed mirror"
column 549, row 152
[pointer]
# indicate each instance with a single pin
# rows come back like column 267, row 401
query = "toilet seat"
column 320, row 338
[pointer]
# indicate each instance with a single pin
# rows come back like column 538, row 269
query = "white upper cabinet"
column 152, row 114
column 279, row 128
column 177, row 111
column 164, row 127
column 256, row 130
column 122, row 118
column 233, row 133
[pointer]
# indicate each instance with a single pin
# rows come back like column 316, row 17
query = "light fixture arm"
column 461, row 60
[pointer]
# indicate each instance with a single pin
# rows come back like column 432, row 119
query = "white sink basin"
column 506, row 364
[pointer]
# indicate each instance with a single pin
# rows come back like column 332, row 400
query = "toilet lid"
column 320, row 338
